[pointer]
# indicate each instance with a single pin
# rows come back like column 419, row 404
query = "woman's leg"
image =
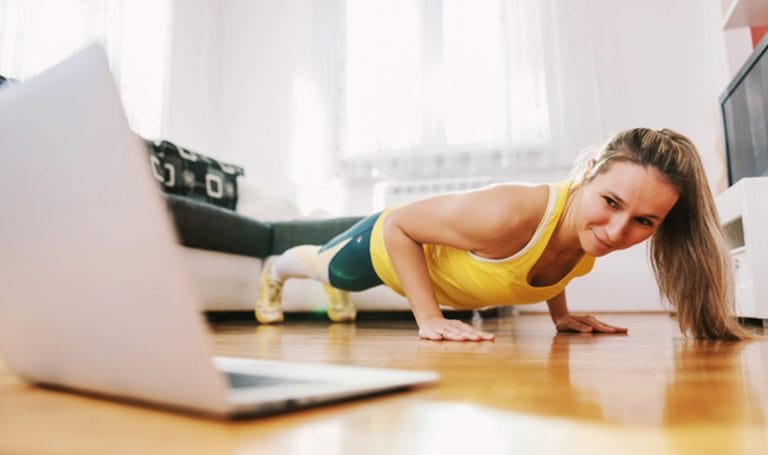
column 302, row 261
column 342, row 264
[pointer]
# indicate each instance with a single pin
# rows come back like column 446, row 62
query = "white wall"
column 658, row 63
column 261, row 43
column 232, row 82
column 658, row 70
column 193, row 88
column 662, row 70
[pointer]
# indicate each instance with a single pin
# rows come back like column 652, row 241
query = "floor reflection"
column 611, row 379
column 621, row 379
column 715, row 382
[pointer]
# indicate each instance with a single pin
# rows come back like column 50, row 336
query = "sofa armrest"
column 287, row 234
column 208, row 227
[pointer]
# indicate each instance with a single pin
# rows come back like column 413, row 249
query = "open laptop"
column 95, row 297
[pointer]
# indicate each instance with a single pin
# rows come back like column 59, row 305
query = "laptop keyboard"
column 243, row 380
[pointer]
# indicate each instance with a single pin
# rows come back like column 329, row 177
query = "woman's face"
column 622, row 207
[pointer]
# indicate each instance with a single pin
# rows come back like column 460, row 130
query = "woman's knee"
column 301, row 261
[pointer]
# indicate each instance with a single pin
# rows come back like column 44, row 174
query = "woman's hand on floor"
column 586, row 323
column 448, row 329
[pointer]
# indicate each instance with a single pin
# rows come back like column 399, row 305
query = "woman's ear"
column 588, row 169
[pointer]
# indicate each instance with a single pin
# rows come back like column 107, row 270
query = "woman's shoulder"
column 494, row 210
column 522, row 198
column 517, row 207
column 507, row 215
column 494, row 221
column 524, row 190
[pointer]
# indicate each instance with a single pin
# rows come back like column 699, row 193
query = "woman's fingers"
column 455, row 335
column 586, row 324
column 603, row 327
column 455, row 331
column 573, row 324
column 462, row 331
column 615, row 328
column 580, row 327
column 431, row 334
column 590, row 324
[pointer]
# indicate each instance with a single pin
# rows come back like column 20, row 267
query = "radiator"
column 389, row 194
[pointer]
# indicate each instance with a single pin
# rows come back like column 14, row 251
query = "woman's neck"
column 565, row 239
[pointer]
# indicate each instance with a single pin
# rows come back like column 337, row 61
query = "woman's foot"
column 340, row 309
column 269, row 306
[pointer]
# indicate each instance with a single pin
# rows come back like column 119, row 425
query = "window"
column 135, row 34
column 441, row 78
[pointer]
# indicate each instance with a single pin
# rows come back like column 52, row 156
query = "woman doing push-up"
column 515, row 244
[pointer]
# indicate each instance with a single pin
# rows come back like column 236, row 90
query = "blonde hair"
column 689, row 253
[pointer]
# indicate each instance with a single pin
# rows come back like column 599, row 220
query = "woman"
column 518, row 244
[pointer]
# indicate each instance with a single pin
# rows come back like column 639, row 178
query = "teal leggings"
column 351, row 268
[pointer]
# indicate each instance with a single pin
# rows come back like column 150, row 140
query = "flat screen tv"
column 744, row 106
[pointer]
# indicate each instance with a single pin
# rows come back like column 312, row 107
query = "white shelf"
column 744, row 215
column 746, row 13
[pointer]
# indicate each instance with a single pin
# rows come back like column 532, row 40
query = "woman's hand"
column 585, row 323
column 439, row 328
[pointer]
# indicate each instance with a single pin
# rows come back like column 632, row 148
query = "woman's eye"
column 645, row 222
column 610, row 202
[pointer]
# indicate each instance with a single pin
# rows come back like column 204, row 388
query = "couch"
column 226, row 249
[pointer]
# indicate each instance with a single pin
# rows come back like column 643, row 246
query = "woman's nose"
column 615, row 230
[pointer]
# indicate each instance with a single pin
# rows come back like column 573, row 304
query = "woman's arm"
column 479, row 221
column 410, row 266
column 567, row 322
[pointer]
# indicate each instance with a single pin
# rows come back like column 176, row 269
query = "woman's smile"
column 607, row 246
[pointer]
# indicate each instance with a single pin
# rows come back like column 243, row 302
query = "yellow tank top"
column 464, row 280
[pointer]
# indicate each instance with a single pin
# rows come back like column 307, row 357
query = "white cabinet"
column 743, row 210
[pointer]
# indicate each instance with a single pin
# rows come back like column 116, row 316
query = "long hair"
column 688, row 251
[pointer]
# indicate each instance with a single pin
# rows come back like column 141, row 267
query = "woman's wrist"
column 422, row 319
column 424, row 314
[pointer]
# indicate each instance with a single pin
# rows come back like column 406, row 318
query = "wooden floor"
column 530, row 391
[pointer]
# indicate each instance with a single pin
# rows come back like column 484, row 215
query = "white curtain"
column 436, row 88
column 35, row 34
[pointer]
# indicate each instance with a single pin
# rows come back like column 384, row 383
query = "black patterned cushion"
column 186, row 173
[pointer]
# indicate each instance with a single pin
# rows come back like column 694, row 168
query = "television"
column 744, row 106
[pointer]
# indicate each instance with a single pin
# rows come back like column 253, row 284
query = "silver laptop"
column 95, row 297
